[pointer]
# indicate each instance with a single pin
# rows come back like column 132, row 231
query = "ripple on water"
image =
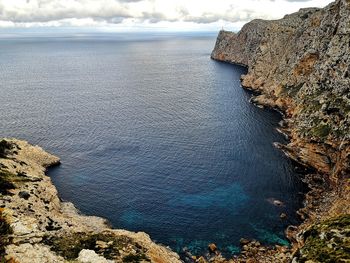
column 152, row 134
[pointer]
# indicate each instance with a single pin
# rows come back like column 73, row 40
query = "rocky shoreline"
column 36, row 226
column 299, row 65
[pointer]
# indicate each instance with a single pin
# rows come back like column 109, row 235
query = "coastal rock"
column 299, row 65
column 309, row 80
column 244, row 241
column 28, row 253
column 90, row 256
column 327, row 241
column 38, row 227
column 212, row 248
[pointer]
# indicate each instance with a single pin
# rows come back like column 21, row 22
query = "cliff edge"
column 36, row 226
column 300, row 65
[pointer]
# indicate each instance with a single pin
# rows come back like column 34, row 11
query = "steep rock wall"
column 300, row 65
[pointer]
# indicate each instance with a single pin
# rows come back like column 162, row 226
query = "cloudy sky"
column 145, row 14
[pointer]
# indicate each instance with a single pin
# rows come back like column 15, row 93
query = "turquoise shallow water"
column 153, row 135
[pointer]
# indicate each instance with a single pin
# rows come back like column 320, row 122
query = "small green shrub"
column 321, row 131
column 70, row 246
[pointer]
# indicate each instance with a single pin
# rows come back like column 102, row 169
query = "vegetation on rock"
column 327, row 242
column 5, row 183
column 105, row 244
column 5, row 231
column 8, row 181
column 5, row 147
column 300, row 65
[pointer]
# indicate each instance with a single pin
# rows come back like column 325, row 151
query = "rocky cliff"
column 36, row 226
column 300, row 65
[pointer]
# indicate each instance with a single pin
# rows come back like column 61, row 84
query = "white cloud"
column 194, row 14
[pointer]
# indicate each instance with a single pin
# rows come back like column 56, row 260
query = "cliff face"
column 35, row 226
column 301, row 65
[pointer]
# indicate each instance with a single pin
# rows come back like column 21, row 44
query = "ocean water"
column 152, row 134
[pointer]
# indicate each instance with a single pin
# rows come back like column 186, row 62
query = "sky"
column 130, row 15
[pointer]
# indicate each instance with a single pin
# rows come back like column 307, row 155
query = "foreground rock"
column 35, row 226
column 300, row 66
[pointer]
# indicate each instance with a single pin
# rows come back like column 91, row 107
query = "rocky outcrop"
column 300, row 65
column 36, row 226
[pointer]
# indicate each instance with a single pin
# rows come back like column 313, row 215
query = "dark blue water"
column 152, row 134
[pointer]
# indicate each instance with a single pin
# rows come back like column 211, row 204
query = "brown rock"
column 244, row 241
column 251, row 260
column 101, row 244
column 201, row 260
column 212, row 248
column 245, row 247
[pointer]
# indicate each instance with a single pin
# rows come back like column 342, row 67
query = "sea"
column 153, row 135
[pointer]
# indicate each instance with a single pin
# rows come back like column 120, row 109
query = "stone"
column 244, row 241
column 201, row 260
column 101, row 244
column 90, row 256
column 212, row 248
column 28, row 253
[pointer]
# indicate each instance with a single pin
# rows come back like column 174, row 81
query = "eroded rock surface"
column 35, row 226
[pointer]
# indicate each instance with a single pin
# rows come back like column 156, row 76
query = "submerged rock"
column 283, row 216
column 277, row 203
